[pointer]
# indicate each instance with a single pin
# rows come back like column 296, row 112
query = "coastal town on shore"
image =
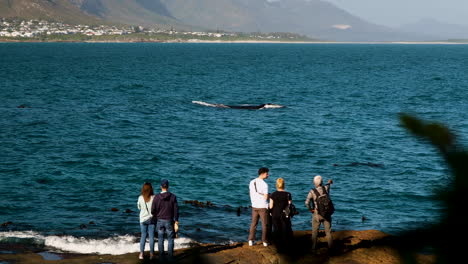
column 42, row 30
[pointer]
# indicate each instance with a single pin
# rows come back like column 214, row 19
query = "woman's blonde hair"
column 280, row 183
column 147, row 191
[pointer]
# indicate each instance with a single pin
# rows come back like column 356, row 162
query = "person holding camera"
column 319, row 204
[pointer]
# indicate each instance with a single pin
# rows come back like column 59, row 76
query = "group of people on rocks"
column 270, row 210
column 160, row 212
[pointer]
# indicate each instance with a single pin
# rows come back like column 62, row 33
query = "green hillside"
column 51, row 10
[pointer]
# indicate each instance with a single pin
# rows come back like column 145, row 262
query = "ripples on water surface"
column 100, row 119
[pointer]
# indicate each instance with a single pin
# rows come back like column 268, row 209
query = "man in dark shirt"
column 166, row 210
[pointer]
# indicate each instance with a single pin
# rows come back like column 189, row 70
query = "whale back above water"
column 252, row 107
column 206, row 104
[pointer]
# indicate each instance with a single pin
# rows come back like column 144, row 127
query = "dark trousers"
column 282, row 231
column 262, row 214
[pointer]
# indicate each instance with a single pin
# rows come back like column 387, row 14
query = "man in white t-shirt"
column 259, row 197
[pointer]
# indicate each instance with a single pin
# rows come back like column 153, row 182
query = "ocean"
column 84, row 125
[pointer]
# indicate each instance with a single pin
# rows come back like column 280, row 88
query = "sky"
column 394, row 13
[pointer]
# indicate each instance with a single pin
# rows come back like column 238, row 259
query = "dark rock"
column 7, row 224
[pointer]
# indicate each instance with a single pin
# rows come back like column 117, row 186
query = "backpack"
column 325, row 206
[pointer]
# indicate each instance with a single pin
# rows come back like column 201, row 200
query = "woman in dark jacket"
column 279, row 200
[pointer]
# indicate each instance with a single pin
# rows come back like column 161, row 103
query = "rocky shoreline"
column 351, row 247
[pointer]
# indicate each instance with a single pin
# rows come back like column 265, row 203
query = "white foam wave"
column 18, row 234
column 113, row 245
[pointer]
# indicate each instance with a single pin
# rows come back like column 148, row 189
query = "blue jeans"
column 165, row 227
column 147, row 230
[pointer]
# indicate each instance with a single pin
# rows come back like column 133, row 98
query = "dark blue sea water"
column 100, row 119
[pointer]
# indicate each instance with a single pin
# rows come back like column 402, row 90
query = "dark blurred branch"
column 447, row 238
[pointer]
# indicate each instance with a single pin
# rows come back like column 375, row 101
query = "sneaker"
column 265, row 244
column 251, row 242
column 140, row 256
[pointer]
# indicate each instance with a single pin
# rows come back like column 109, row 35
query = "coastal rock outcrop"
column 357, row 247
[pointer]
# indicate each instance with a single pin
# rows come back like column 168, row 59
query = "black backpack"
column 325, row 206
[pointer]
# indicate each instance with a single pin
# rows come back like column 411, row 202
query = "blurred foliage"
column 447, row 238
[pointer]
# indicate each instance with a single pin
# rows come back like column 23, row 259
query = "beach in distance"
column 86, row 124
column 137, row 40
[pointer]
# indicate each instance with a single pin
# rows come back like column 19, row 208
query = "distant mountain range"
column 314, row 18
column 436, row 30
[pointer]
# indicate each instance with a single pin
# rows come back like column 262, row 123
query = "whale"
column 249, row 107
column 370, row 164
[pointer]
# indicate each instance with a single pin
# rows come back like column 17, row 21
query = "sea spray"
column 112, row 245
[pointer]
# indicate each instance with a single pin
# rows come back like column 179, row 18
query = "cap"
column 164, row 182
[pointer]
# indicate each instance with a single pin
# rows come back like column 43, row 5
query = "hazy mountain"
column 436, row 29
column 214, row 14
column 315, row 18
column 133, row 12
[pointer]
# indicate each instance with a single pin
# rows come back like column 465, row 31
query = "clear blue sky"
column 398, row 12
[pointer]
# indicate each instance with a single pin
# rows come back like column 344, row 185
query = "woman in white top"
column 144, row 203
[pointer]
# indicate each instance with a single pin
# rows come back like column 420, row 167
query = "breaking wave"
column 116, row 245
